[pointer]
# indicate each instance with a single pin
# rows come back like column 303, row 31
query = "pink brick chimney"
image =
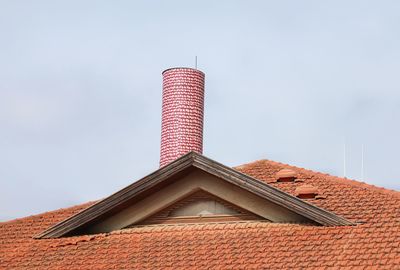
column 182, row 113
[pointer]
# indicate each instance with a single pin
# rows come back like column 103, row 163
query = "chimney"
column 182, row 113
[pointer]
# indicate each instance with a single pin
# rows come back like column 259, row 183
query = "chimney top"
column 187, row 68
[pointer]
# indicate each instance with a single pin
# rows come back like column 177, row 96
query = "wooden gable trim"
column 192, row 159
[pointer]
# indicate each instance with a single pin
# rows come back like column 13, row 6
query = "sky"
column 290, row 81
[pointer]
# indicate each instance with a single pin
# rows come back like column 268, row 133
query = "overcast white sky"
column 291, row 81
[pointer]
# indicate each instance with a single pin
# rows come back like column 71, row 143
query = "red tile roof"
column 373, row 243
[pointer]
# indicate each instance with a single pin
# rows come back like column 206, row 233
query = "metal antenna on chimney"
column 344, row 160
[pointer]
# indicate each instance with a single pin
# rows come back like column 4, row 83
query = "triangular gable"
column 114, row 205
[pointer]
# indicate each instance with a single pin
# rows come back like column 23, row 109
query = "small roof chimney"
column 182, row 113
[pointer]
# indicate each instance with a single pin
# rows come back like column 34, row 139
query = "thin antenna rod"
column 362, row 162
column 344, row 160
column 195, row 62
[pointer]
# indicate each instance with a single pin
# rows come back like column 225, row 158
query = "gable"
column 186, row 185
column 180, row 178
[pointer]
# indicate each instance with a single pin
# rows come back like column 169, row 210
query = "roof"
column 156, row 180
column 373, row 243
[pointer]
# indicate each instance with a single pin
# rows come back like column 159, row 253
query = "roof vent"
column 286, row 175
column 307, row 192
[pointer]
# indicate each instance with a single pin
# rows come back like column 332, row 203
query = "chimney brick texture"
column 182, row 113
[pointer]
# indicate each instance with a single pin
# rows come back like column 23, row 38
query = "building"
column 195, row 213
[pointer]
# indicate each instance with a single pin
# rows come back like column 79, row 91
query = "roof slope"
column 373, row 244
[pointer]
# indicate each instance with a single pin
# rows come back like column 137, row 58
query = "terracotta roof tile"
column 372, row 244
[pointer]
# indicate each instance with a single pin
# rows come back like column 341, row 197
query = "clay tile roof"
column 372, row 244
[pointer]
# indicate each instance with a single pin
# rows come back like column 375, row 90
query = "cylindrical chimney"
column 182, row 113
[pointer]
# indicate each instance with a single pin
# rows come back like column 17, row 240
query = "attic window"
column 203, row 207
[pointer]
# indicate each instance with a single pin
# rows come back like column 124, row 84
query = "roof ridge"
column 338, row 179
